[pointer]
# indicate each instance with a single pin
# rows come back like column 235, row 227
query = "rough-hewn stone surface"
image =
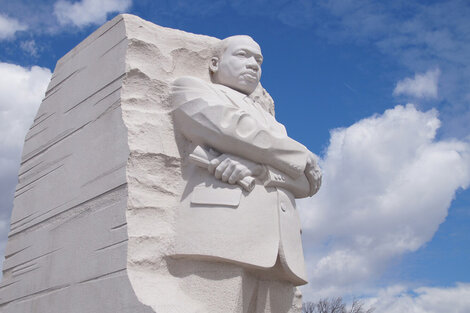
column 101, row 178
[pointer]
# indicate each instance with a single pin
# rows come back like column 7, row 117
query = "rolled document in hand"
column 202, row 158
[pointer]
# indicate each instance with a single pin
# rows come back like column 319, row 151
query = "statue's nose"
column 252, row 64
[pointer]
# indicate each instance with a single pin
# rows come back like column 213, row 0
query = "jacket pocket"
column 208, row 195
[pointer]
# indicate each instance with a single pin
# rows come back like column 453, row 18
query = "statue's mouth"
column 250, row 75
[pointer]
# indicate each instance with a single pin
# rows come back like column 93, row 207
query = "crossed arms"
column 208, row 118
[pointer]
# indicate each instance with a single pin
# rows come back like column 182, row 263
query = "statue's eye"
column 241, row 53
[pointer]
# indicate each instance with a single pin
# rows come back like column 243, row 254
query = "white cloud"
column 387, row 186
column 87, row 12
column 421, row 86
column 9, row 26
column 397, row 299
column 21, row 92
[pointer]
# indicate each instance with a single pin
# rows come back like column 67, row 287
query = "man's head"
column 236, row 63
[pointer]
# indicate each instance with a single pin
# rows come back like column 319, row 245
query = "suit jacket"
column 219, row 221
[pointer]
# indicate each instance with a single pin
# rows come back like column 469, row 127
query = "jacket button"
column 283, row 207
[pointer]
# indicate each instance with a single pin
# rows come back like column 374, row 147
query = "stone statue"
column 238, row 206
column 150, row 184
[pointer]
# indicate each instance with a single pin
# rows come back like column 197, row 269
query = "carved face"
column 239, row 67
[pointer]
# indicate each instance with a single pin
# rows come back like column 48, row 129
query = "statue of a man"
column 239, row 208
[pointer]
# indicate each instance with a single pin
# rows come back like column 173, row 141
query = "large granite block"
column 101, row 178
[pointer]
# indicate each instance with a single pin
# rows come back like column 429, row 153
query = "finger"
column 214, row 163
column 236, row 175
column 221, row 168
column 311, row 181
column 228, row 172
column 314, row 180
column 317, row 185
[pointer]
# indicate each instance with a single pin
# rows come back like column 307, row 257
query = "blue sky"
column 379, row 90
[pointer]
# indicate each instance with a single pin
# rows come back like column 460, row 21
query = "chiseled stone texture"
column 101, row 179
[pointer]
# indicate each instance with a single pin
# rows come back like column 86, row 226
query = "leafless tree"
column 335, row 305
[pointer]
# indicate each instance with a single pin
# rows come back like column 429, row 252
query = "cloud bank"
column 397, row 299
column 388, row 184
column 87, row 12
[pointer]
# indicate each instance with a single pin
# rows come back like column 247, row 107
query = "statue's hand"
column 313, row 173
column 230, row 168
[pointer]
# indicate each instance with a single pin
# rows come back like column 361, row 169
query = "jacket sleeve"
column 207, row 118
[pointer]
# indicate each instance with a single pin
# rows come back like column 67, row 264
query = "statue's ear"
column 214, row 65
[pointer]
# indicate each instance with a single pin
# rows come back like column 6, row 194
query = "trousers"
column 220, row 287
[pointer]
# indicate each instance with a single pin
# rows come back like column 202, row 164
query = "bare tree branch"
column 335, row 305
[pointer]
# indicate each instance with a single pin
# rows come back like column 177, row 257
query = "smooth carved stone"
column 103, row 173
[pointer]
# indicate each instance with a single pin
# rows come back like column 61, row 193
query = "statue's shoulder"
column 184, row 89
column 190, row 82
